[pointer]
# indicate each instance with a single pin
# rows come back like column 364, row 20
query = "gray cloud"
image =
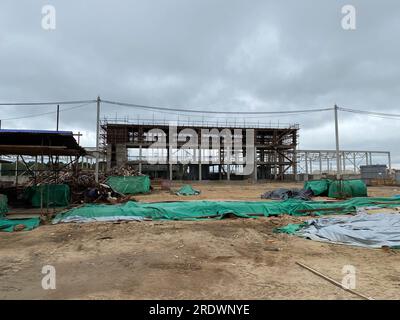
column 232, row 55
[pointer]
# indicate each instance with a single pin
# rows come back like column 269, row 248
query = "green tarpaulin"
column 48, row 195
column 192, row 210
column 3, row 204
column 318, row 187
column 337, row 189
column 8, row 225
column 291, row 228
column 187, row 190
column 129, row 184
column 347, row 189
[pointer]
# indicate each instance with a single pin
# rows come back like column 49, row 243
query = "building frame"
column 274, row 147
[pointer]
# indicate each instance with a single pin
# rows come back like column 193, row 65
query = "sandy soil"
column 226, row 259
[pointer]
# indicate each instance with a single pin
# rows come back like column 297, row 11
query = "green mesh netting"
column 3, row 204
column 187, row 190
column 347, row 189
column 129, row 184
column 318, row 187
column 193, row 210
column 291, row 228
column 48, row 195
column 8, row 225
column 337, row 189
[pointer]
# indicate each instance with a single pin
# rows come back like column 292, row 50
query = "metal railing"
column 202, row 123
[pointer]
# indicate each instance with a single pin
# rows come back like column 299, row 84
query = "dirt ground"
column 214, row 259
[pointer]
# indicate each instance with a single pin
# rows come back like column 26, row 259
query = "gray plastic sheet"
column 365, row 230
column 284, row 194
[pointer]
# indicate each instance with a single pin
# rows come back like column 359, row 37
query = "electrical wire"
column 46, row 113
column 45, row 103
column 199, row 116
column 211, row 112
column 371, row 113
column 193, row 112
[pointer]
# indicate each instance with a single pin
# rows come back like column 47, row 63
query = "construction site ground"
column 213, row 259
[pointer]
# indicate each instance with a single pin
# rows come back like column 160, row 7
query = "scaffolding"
column 273, row 148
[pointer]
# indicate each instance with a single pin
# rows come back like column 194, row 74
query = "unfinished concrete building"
column 273, row 149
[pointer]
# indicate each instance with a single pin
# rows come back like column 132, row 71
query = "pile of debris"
column 124, row 171
column 83, row 185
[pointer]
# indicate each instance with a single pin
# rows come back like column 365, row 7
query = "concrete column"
column 389, row 161
column 169, row 162
column 255, row 165
column 219, row 165
column 228, row 170
column 200, row 173
column 121, row 154
column 16, row 171
column 354, row 163
column 140, row 158
column 366, row 158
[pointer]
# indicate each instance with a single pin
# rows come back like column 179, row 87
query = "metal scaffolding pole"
column 338, row 173
column 96, row 175
column 320, row 163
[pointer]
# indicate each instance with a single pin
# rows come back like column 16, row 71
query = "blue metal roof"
column 70, row 133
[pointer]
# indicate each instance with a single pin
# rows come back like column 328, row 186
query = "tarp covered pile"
column 193, row 210
column 48, row 195
column 187, row 190
column 129, row 184
column 125, row 179
column 337, row 189
column 9, row 225
column 366, row 230
column 284, row 194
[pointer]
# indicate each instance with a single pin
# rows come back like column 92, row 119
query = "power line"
column 371, row 113
column 167, row 110
column 45, row 113
column 45, row 103
column 211, row 112
column 259, row 116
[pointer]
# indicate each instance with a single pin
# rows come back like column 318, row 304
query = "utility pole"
column 97, row 140
column 58, row 115
column 338, row 168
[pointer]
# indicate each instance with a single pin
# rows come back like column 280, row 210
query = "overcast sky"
column 207, row 54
